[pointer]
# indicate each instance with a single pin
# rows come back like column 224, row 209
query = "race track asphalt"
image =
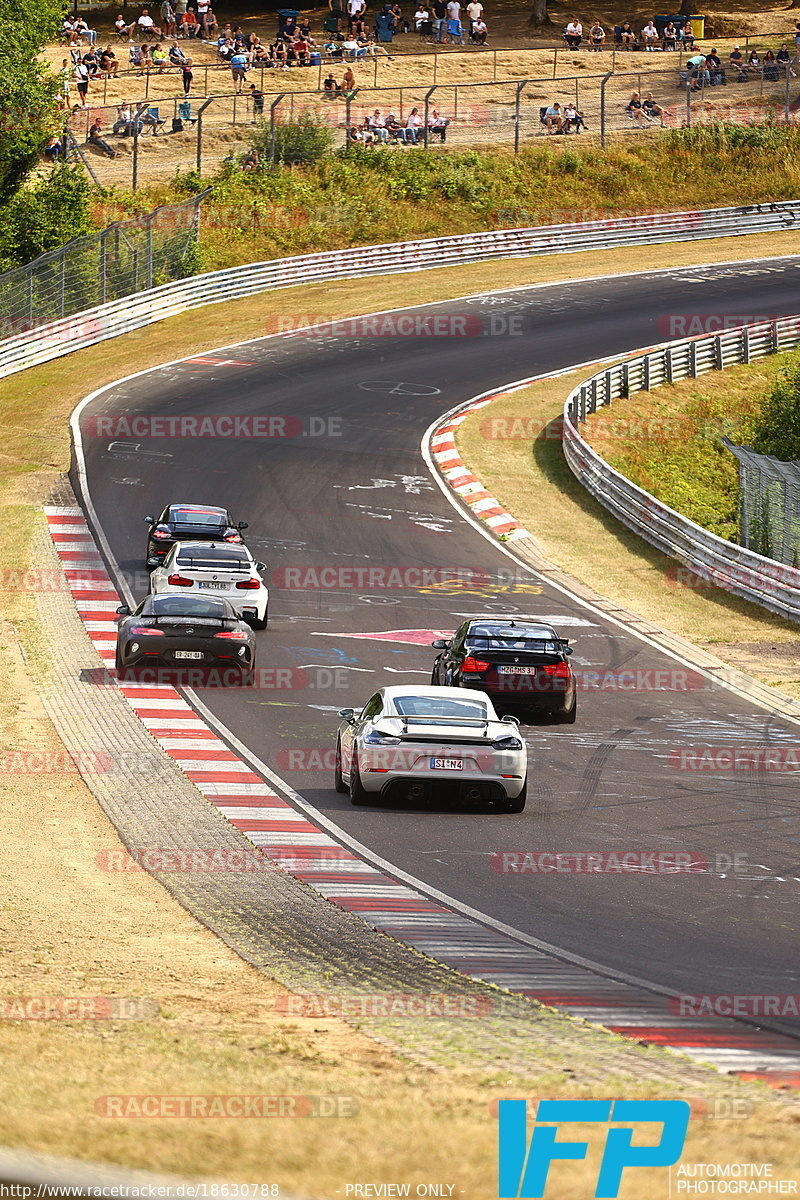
column 349, row 489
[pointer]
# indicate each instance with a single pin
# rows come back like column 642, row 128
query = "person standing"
column 440, row 19
column 239, row 66
column 80, row 73
column 186, row 75
column 474, row 12
column 257, row 97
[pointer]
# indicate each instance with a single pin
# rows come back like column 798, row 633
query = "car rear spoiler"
column 417, row 720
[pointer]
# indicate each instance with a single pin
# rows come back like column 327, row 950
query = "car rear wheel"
column 357, row 793
column 258, row 623
column 518, row 803
column 338, row 780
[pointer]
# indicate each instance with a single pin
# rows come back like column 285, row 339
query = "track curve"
column 344, row 496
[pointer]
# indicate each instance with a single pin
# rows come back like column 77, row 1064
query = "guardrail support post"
column 746, row 345
column 603, row 83
column 646, row 373
column 200, row 112
column 517, row 101
column 786, row 100
column 668, row 364
column 693, row 359
column 718, row 353
column 428, row 95
column 272, row 108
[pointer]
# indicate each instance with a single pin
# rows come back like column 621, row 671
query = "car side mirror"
column 261, row 566
column 568, row 649
column 123, row 610
column 441, row 644
column 150, row 520
column 509, row 719
column 347, row 714
column 243, row 525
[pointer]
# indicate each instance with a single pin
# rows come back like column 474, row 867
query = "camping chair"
column 455, row 33
column 152, row 121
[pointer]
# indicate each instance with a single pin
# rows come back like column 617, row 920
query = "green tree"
column 28, row 110
column 42, row 217
column 777, row 431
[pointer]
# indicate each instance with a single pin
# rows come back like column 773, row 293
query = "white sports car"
column 215, row 569
column 415, row 743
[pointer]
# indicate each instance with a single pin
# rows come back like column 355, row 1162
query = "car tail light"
column 249, row 583
column 556, row 670
column 161, row 535
column 179, row 581
column 234, row 635
column 474, row 664
column 146, row 631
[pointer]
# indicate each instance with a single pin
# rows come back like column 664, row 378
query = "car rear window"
column 518, row 637
column 198, row 516
column 188, row 606
column 433, row 706
column 228, row 559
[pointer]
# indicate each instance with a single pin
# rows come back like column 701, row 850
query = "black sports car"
column 186, row 631
column 188, row 523
column 518, row 661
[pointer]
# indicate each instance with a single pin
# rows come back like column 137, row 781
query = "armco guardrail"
column 762, row 580
column 135, row 312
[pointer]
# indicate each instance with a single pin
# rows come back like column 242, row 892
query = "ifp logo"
column 523, row 1168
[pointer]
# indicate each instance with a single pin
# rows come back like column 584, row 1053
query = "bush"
column 303, row 139
column 777, row 430
column 45, row 216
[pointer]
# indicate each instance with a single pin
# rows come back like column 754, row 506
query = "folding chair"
column 185, row 111
column 152, row 121
column 455, row 33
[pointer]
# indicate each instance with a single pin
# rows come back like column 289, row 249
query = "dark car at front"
column 196, row 637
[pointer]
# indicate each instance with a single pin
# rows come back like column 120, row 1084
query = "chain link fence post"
column 272, row 108
column 517, row 102
column 608, row 75
column 428, row 95
column 200, row 112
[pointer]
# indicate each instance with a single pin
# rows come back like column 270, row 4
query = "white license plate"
column 189, row 654
column 215, row 587
column 516, row 670
column 447, row 764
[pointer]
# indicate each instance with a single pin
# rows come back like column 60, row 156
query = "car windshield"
column 435, row 706
column 488, row 636
column 198, row 516
column 187, row 606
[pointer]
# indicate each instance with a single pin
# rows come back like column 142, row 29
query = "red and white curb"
column 466, row 485
column 297, row 844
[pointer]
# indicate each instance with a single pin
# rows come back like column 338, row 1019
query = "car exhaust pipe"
column 472, row 793
column 416, row 791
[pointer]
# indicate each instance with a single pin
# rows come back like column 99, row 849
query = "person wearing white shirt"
column 413, row 126
column 421, row 16
column 378, row 126
column 649, row 35
column 574, row 34
column 454, row 10
column 474, row 12
column 478, row 32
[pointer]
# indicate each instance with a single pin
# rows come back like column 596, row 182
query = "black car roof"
column 173, row 604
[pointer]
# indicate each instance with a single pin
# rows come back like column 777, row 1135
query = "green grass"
column 371, row 196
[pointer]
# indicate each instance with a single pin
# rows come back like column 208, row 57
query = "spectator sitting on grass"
column 91, row 62
column 714, row 64
column 393, row 127
column 687, row 36
column 650, row 35
column 188, row 25
column 479, row 32
column 635, row 110
column 597, row 35
column 250, row 160
column 651, row 110
column 52, row 151
column 302, row 52
column 553, row 120
column 784, row 58
column 378, row 126
column 737, row 61
column 413, row 126
column 754, row 62
column 573, row 34
column 438, row 124
column 95, row 139
column 348, row 80
column 330, row 87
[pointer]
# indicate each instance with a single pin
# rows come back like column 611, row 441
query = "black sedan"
column 188, row 523
column 178, row 632
column 519, row 661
